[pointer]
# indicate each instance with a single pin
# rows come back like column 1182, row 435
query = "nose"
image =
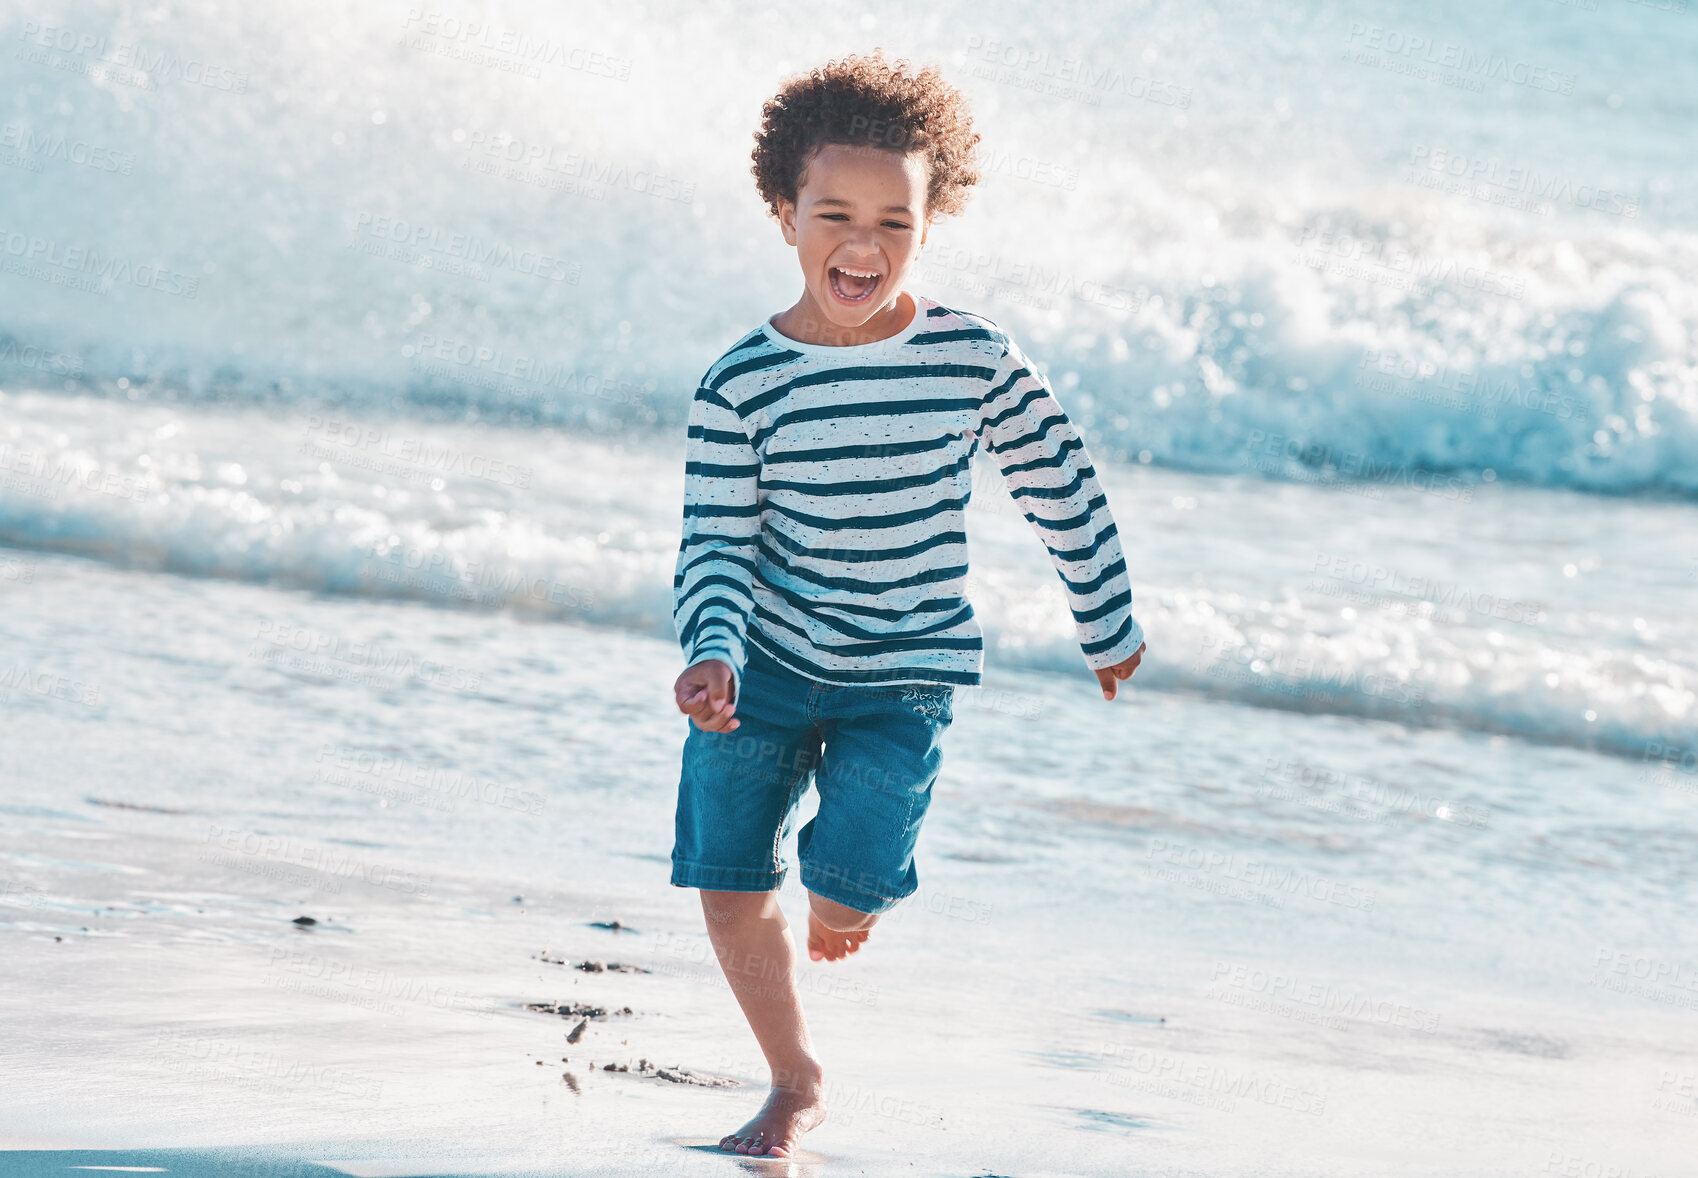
column 861, row 243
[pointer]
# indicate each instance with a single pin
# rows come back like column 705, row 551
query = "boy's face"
column 858, row 224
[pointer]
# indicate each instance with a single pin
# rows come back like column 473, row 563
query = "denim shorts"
column 873, row 753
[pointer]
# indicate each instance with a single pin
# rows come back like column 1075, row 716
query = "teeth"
column 858, row 273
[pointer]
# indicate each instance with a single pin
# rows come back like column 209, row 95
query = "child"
column 819, row 587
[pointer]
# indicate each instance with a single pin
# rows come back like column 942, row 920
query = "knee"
column 735, row 907
column 840, row 918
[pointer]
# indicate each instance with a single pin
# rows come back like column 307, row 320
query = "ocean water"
column 344, row 362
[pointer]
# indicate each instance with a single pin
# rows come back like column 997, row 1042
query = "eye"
column 895, row 225
column 834, row 216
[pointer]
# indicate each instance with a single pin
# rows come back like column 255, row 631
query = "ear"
column 787, row 220
column 925, row 231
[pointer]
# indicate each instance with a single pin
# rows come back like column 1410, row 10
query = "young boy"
column 819, row 587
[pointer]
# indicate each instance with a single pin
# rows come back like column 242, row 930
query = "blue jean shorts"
column 873, row 753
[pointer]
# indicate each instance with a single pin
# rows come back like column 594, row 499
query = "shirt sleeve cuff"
column 1120, row 651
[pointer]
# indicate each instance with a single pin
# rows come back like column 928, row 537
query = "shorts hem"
column 725, row 879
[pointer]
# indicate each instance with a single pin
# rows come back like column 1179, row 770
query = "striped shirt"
column 824, row 498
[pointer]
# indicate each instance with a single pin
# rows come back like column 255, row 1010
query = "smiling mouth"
column 852, row 285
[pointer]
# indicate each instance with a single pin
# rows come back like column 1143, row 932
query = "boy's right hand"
column 703, row 692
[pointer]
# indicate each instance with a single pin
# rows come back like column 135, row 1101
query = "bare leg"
column 752, row 941
column 835, row 930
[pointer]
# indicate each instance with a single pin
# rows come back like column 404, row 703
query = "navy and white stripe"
column 824, row 492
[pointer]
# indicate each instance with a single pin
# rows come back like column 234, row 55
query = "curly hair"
column 862, row 100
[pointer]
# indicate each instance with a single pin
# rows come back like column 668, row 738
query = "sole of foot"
column 826, row 944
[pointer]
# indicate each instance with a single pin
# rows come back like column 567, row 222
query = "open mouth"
column 853, row 286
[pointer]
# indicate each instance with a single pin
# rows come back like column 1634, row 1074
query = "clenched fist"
column 703, row 693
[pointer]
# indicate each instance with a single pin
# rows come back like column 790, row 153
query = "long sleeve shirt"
column 824, row 498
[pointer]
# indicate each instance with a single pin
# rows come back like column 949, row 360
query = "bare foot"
column 787, row 1114
column 827, row 944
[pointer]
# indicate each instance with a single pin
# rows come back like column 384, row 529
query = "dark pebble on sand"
column 304, row 921
column 573, row 1009
column 571, row 1080
column 577, row 1032
column 608, row 967
column 612, row 926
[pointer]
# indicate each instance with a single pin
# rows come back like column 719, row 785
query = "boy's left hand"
column 1109, row 677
